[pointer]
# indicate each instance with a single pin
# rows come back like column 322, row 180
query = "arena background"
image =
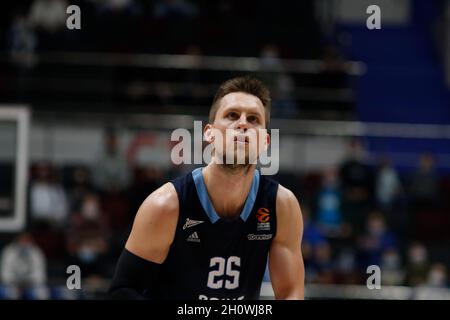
column 364, row 118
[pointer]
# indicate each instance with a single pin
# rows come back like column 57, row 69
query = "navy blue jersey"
column 214, row 258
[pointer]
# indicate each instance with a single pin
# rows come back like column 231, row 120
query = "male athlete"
column 207, row 235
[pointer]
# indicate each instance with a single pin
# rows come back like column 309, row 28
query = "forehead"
column 241, row 100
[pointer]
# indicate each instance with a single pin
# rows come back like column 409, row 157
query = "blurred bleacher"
column 144, row 68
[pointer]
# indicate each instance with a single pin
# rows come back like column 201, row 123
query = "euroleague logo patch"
column 263, row 217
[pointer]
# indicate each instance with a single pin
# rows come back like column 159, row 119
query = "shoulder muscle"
column 155, row 225
column 289, row 216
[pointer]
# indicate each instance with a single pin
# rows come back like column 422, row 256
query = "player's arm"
column 286, row 267
column 147, row 246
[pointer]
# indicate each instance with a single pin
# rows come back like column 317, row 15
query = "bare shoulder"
column 155, row 224
column 289, row 215
column 161, row 203
column 287, row 202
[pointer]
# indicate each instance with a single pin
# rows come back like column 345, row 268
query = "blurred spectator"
column 437, row 276
column 325, row 11
column 270, row 57
column 80, row 187
column 193, row 93
column 418, row 266
column 284, row 102
column 333, row 73
column 22, row 41
column 312, row 237
column 424, row 184
column 346, row 272
column 323, row 264
column 22, row 263
column 176, row 19
column 387, row 185
column 356, row 181
column 115, row 6
column 393, row 274
column 377, row 239
column 333, row 79
column 117, row 207
column 282, row 85
column 111, row 171
column 49, row 15
column 270, row 60
column 90, row 211
column 355, row 175
column 391, row 199
column 175, row 8
column 329, row 216
column 48, row 199
column 87, row 243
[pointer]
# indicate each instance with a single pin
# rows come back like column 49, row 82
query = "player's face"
column 240, row 120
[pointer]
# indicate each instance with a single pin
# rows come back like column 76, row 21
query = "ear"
column 208, row 133
column 266, row 141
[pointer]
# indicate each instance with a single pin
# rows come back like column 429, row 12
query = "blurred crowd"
column 152, row 26
column 31, row 29
column 355, row 215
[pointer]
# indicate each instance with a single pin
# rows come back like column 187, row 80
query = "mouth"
column 241, row 139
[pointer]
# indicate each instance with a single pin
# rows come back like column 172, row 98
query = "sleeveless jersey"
column 213, row 258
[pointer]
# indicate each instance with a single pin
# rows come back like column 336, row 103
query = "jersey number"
column 220, row 267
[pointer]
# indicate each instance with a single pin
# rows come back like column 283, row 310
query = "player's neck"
column 228, row 187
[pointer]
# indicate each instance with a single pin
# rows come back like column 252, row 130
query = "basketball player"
column 207, row 235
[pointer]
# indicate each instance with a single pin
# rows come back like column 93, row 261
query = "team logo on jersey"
column 190, row 223
column 263, row 217
column 193, row 237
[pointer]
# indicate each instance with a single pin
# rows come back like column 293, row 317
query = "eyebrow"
column 250, row 110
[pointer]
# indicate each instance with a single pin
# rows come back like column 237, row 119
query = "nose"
column 242, row 123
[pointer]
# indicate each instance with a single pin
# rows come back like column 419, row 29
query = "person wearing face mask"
column 90, row 214
column 393, row 273
column 375, row 241
column 87, row 240
column 437, row 276
column 329, row 215
column 418, row 265
column 48, row 199
column 23, row 265
column 356, row 182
